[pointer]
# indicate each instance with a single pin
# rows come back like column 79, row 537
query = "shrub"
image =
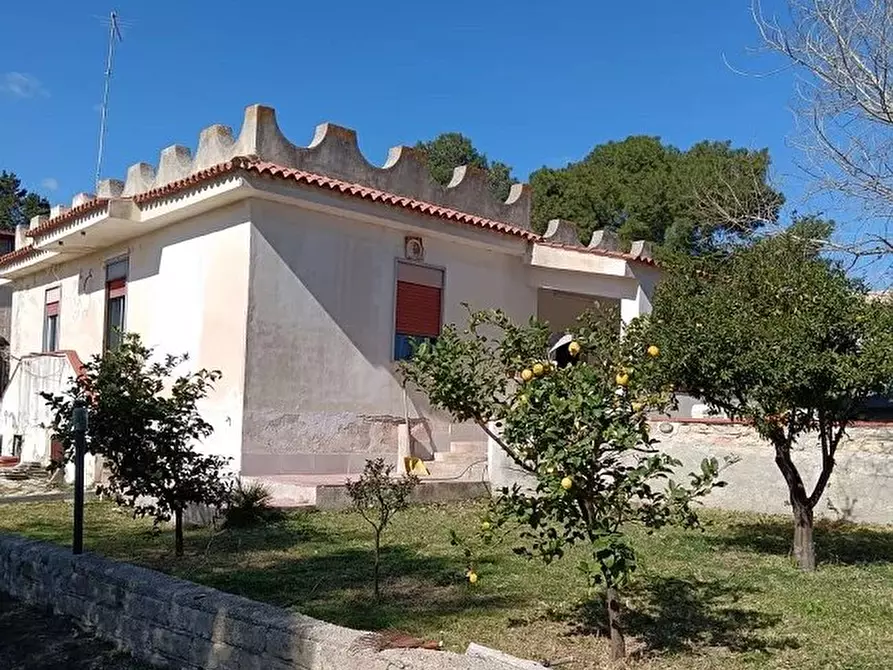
column 377, row 496
column 249, row 505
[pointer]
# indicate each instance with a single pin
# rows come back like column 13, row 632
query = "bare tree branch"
column 844, row 51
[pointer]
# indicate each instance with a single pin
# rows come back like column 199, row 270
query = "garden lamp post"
column 79, row 425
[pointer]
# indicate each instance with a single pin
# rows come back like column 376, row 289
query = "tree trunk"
column 178, row 531
column 618, row 644
column 375, row 567
column 804, row 548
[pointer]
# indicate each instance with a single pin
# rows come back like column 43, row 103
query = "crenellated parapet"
column 333, row 152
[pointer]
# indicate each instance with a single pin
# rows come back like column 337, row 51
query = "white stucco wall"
column 23, row 412
column 321, row 390
column 859, row 489
column 187, row 292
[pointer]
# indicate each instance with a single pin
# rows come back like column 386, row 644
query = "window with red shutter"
column 419, row 307
column 115, row 300
column 51, row 319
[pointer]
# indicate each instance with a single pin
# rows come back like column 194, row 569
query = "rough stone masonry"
column 174, row 623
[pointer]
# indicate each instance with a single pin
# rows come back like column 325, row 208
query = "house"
column 301, row 273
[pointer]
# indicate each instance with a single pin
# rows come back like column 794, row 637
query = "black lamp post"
column 79, row 427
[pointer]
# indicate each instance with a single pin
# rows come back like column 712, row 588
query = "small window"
column 115, row 301
column 419, row 307
column 51, row 319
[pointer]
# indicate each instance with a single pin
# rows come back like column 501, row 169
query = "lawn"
column 725, row 597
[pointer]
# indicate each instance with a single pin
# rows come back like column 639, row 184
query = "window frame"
column 52, row 301
column 115, row 276
column 443, row 292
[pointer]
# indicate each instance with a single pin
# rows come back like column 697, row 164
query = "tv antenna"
column 114, row 38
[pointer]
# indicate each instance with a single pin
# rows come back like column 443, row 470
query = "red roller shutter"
column 418, row 309
column 116, row 288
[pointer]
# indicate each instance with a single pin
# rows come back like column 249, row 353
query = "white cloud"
column 50, row 184
column 20, row 85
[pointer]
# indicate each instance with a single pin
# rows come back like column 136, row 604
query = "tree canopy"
column 18, row 204
column 145, row 423
column 779, row 336
column 450, row 150
column 645, row 189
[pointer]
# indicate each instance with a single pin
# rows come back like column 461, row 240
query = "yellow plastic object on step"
column 415, row 466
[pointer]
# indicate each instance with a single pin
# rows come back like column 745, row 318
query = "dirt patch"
column 35, row 639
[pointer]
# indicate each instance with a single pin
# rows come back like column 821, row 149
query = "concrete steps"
column 469, row 447
column 465, row 461
column 23, row 472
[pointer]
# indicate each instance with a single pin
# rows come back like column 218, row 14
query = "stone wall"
column 861, row 488
column 175, row 623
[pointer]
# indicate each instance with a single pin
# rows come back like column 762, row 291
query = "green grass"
column 726, row 597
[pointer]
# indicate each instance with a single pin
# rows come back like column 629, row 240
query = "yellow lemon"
column 622, row 379
column 573, row 348
column 526, row 375
column 538, row 369
column 653, row 351
column 473, row 577
column 485, row 525
column 567, row 483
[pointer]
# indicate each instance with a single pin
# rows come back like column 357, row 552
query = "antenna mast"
column 114, row 36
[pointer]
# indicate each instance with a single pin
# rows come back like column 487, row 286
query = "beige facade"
column 284, row 280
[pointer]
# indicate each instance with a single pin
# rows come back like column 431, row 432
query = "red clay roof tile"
column 267, row 169
column 17, row 254
column 73, row 213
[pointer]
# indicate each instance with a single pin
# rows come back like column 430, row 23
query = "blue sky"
column 532, row 83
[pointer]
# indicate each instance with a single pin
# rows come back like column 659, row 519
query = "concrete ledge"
column 334, row 497
column 174, row 623
column 37, row 497
column 859, row 489
column 724, row 421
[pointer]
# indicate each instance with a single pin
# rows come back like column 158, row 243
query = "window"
column 51, row 319
column 115, row 301
column 7, row 243
column 419, row 307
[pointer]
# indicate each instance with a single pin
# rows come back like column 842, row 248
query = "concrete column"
column 630, row 308
column 646, row 278
column 21, row 236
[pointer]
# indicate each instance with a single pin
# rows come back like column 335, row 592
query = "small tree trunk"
column 375, row 567
column 178, row 531
column 804, row 548
column 618, row 644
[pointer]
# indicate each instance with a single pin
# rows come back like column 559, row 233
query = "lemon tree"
column 581, row 431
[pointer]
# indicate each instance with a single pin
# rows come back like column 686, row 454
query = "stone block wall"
column 174, row 623
column 860, row 489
